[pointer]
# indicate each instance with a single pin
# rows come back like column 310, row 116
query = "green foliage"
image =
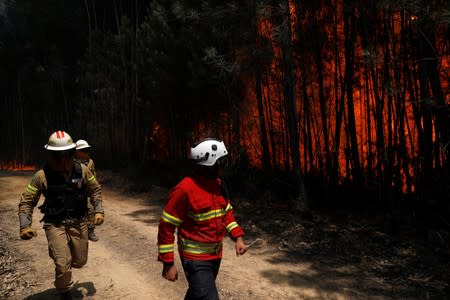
column 178, row 55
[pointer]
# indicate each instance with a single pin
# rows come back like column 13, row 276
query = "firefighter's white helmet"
column 60, row 141
column 208, row 152
column 82, row 144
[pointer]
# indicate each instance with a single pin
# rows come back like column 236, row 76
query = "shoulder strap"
column 77, row 168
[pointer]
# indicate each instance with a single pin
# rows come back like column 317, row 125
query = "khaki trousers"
column 68, row 247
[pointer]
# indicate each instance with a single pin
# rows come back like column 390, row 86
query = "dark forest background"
column 323, row 104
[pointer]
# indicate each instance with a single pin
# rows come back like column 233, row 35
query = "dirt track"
column 297, row 260
column 122, row 265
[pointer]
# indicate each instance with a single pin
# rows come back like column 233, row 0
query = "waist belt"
column 68, row 221
column 72, row 221
column 194, row 247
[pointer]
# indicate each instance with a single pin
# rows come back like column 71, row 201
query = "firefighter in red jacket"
column 200, row 212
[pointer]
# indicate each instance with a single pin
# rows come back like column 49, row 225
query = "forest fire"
column 16, row 166
column 378, row 130
column 351, row 92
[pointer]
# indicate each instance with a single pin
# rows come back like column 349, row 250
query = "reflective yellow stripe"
column 228, row 208
column 199, row 251
column 32, row 190
column 216, row 213
column 171, row 219
column 91, row 179
column 194, row 247
column 167, row 248
column 231, row 226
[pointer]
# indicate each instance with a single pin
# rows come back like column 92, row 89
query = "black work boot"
column 91, row 234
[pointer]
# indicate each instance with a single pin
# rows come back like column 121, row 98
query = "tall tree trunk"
column 340, row 104
column 258, row 89
column 350, row 39
column 21, row 111
column 291, row 110
column 88, row 14
column 322, row 99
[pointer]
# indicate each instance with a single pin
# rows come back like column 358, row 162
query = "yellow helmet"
column 60, row 141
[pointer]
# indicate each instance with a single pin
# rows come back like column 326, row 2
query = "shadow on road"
column 80, row 291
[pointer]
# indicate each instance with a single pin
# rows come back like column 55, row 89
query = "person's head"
column 82, row 149
column 60, row 148
column 209, row 155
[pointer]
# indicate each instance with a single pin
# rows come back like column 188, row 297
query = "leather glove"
column 99, row 218
column 27, row 233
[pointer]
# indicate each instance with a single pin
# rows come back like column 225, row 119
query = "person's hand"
column 27, row 233
column 99, row 218
column 170, row 272
column 240, row 246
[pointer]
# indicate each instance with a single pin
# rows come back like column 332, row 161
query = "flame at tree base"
column 16, row 166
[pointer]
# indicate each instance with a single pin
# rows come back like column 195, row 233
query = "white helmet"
column 208, row 151
column 82, row 144
column 60, row 141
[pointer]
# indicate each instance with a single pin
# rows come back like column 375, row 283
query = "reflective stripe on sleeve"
column 165, row 248
column 231, row 226
column 91, row 179
column 32, row 190
column 228, row 208
column 171, row 219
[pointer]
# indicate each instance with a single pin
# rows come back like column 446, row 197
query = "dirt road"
column 297, row 259
column 122, row 265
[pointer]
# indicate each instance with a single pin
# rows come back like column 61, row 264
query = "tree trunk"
column 350, row 39
column 299, row 192
column 258, row 89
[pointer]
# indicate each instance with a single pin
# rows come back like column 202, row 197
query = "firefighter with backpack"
column 66, row 186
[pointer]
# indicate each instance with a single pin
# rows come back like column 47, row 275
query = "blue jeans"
column 201, row 276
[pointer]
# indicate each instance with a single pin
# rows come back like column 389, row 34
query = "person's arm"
column 28, row 201
column 173, row 215
column 91, row 167
column 234, row 230
column 95, row 196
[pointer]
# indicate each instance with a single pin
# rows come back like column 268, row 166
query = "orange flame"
column 16, row 166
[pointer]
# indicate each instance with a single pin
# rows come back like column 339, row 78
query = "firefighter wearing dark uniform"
column 66, row 186
column 201, row 213
column 82, row 155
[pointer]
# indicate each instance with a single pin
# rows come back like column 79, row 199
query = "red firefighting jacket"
column 201, row 214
